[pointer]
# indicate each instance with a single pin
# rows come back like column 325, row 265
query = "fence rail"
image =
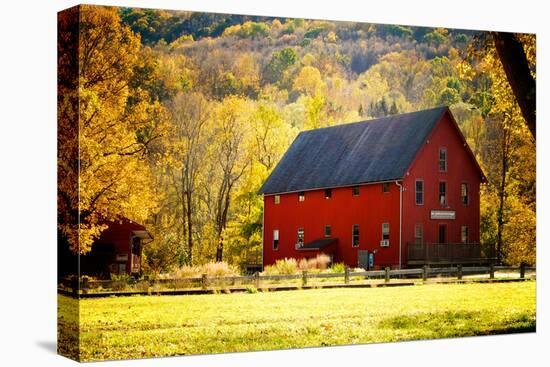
column 85, row 286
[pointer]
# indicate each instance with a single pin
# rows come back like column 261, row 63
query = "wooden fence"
column 304, row 280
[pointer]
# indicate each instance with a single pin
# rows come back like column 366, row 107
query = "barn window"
column 419, row 192
column 355, row 190
column 275, row 239
column 328, row 193
column 465, row 193
column 385, row 231
column 442, row 233
column 300, row 239
column 328, row 231
column 302, row 196
column 442, row 193
column 355, row 235
column 442, row 160
column 386, row 187
column 464, row 234
column 277, row 199
column 418, row 234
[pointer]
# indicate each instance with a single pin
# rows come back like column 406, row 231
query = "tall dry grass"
column 289, row 266
column 285, row 266
column 319, row 262
column 213, row 269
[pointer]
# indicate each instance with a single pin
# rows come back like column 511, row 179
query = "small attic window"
column 355, row 191
column 302, row 196
column 277, row 199
column 386, row 187
column 328, row 193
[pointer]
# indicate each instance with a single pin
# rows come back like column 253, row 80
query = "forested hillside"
column 186, row 114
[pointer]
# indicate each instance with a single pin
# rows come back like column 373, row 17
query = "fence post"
column 522, row 270
column 75, row 284
column 387, row 274
column 346, row 275
column 85, row 285
column 459, row 274
column 257, row 279
column 204, row 281
column 304, row 277
column 492, row 271
column 425, row 272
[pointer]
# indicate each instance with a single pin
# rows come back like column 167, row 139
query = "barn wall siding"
column 370, row 209
column 460, row 168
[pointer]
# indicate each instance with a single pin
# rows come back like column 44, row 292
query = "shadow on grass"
column 459, row 323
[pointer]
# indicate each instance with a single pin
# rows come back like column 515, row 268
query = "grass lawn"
column 148, row 326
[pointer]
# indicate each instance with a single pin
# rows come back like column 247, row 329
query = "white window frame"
column 416, row 192
column 467, row 186
column 462, row 229
column 353, row 226
column 303, row 237
column 277, row 199
column 439, row 193
column 301, row 196
column 445, row 160
column 276, row 238
column 329, row 227
column 386, row 231
column 418, row 227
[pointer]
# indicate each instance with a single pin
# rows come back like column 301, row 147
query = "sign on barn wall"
column 442, row 214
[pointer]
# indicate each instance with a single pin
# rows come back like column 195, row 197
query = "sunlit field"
column 149, row 326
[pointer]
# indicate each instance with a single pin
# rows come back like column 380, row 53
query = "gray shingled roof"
column 361, row 152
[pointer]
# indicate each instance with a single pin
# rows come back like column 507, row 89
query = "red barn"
column 396, row 191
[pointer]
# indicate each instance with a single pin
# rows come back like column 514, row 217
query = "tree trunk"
column 219, row 250
column 514, row 61
column 183, row 212
column 502, row 195
column 189, row 228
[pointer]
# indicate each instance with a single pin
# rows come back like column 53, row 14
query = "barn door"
column 363, row 259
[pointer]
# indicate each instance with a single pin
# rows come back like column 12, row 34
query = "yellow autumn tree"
column 119, row 126
column 309, row 81
column 509, row 157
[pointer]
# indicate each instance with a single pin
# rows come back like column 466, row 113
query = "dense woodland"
column 184, row 115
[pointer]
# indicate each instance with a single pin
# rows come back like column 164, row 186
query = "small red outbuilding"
column 117, row 251
column 396, row 191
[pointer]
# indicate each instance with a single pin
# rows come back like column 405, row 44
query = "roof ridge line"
column 443, row 107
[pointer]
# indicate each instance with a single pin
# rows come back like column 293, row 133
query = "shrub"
column 251, row 289
column 338, row 268
column 119, row 282
column 120, row 277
